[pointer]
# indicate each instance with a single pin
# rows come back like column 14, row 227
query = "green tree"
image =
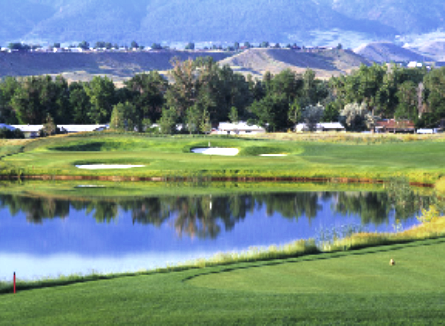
column 84, row 45
column 312, row 115
column 79, row 103
column 168, row 120
column 332, row 112
column 147, row 95
column 407, row 98
column 190, row 46
column 8, row 87
column 354, row 116
column 134, row 45
column 117, row 121
column 193, row 119
column 295, row 112
column 49, row 127
column 233, row 115
column 205, row 126
column 101, row 92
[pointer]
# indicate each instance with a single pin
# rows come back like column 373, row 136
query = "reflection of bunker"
column 107, row 166
column 216, row 151
column 273, row 155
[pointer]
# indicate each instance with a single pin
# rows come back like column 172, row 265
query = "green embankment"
column 347, row 287
column 420, row 161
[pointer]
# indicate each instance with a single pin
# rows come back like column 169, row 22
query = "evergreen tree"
column 117, row 121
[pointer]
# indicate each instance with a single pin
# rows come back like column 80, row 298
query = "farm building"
column 392, row 125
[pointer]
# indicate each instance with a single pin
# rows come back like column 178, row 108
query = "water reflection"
column 204, row 216
column 46, row 235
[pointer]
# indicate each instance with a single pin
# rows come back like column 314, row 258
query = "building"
column 240, row 128
column 392, row 125
column 322, row 127
column 32, row 131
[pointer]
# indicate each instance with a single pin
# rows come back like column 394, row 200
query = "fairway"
column 359, row 273
column 420, row 161
column 348, row 288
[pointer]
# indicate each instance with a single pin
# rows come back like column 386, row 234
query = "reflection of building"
column 32, row 131
column 240, row 128
column 322, row 126
column 392, row 125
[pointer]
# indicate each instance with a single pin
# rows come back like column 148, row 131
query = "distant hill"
column 405, row 16
column 120, row 66
column 82, row 66
column 325, row 63
column 388, row 52
column 435, row 50
column 193, row 20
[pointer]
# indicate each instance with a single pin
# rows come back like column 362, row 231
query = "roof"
column 28, row 128
column 68, row 128
column 395, row 124
column 82, row 128
column 3, row 125
column 331, row 125
column 238, row 126
column 322, row 125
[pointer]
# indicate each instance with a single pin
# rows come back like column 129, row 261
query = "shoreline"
column 48, row 177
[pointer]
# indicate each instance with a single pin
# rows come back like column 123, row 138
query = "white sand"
column 216, row 151
column 273, row 155
column 89, row 186
column 107, row 166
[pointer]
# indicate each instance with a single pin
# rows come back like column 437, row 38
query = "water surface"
column 47, row 236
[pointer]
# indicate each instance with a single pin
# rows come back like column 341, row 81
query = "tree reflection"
column 36, row 208
column 206, row 216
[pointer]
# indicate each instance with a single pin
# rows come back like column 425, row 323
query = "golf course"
column 349, row 281
column 332, row 157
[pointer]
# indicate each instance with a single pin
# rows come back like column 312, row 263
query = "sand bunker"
column 273, row 155
column 216, row 151
column 107, row 166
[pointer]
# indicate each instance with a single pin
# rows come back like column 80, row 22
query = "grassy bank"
column 106, row 189
column 419, row 159
column 346, row 287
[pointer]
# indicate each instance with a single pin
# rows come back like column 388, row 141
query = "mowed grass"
column 341, row 288
column 420, row 161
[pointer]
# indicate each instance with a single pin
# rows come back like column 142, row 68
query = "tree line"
column 200, row 93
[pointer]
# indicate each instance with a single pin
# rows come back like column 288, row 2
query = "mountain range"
column 169, row 21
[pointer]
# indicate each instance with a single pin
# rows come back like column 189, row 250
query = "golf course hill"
column 325, row 62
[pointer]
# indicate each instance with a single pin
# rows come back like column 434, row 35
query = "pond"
column 62, row 232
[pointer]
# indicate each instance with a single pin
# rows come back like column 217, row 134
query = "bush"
column 5, row 133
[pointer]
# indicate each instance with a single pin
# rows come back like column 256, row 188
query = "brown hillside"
column 389, row 52
column 325, row 63
column 81, row 66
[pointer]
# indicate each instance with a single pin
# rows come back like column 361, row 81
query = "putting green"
column 417, row 270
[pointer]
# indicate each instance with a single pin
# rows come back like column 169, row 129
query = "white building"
column 32, row 131
column 240, row 128
column 415, row 64
column 322, row 127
